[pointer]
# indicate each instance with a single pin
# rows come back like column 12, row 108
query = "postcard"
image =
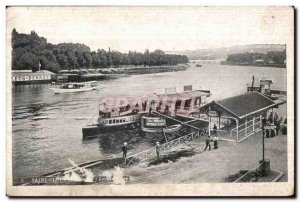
column 154, row 101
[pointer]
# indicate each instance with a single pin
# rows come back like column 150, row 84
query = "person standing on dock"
column 124, row 149
column 157, row 147
column 215, row 129
column 207, row 141
column 215, row 139
column 284, row 128
column 270, row 119
column 277, row 124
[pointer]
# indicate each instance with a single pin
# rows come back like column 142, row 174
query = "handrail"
column 164, row 147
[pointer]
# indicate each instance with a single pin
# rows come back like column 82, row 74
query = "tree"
column 81, row 60
column 62, row 60
column 74, row 55
column 72, row 60
column 103, row 58
column 88, row 58
column 29, row 61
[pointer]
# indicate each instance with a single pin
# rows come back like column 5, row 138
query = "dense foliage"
column 30, row 50
column 272, row 57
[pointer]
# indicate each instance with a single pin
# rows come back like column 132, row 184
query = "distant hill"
column 222, row 53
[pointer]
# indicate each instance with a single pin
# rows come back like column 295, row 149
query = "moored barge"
column 112, row 119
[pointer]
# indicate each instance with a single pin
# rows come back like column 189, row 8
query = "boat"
column 111, row 119
column 173, row 128
column 135, row 116
column 74, row 87
column 198, row 65
column 264, row 86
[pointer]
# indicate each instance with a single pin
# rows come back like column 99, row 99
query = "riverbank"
column 144, row 69
column 215, row 165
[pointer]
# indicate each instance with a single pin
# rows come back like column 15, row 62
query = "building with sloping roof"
column 242, row 106
column 242, row 114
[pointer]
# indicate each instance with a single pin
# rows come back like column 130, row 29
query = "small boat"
column 113, row 119
column 173, row 128
column 198, row 65
column 75, row 87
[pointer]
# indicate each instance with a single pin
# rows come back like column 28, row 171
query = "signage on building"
column 212, row 113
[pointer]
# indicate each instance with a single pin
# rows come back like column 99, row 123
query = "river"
column 47, row 128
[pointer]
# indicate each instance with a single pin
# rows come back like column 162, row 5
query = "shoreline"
column 131, row 70
column 283, row 66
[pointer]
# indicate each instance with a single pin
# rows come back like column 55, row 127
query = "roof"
column 22, row 73
column 23, row 70
column 198, row 93
column 246, row 104
column 185, row 95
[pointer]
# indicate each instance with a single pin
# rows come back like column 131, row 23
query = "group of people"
column 125, row 149
column 273, row 122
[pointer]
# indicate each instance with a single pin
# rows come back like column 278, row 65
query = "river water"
column 47, row 128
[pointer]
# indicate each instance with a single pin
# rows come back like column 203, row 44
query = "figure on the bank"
column 157, row 147
column 270, row 119
column 124, row 149
column 215, row 139
column 215, row 129
column 278, row 125
column 207, row 142
column 275, row 117
column 284, row 128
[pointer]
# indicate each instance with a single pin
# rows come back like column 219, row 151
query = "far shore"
column 256, row 65
column 144, row 69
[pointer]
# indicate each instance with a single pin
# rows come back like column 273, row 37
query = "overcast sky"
column 166, row 28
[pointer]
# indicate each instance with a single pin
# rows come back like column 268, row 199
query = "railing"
column 248, row 174
column 150, row 153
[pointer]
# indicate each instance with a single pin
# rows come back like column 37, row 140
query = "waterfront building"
column 29, row 77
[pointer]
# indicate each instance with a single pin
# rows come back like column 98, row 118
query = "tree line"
column 272, row 57
column 29, row 51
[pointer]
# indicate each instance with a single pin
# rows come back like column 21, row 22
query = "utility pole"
column 263, row 142
column 264, row 169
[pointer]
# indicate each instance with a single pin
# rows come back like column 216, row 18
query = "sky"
column 165, row 28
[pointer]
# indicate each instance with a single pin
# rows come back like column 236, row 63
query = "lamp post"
column 263, row 138
column 263, row 162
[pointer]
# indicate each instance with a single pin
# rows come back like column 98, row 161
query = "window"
column 114, row 121
column 110, row 122
column 117, row 121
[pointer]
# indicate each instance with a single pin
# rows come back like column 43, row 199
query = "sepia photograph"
column 150, row 101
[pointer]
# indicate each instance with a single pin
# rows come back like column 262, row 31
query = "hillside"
column 30, row 51
column 222, row 53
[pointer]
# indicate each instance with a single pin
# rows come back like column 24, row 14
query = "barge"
column 143, row 116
